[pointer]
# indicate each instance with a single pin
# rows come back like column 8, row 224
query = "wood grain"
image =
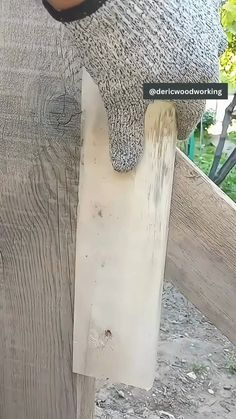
column 85, row 397
column 39, row 176
column 202, row 245
column 121, row 247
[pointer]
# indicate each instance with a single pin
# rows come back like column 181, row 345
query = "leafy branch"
column 223, row 136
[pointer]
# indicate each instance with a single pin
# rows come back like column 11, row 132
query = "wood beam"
column 201, row 259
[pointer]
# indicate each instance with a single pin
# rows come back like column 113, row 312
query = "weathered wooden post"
column 39, row 177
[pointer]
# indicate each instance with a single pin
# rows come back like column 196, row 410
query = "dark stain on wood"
column 108, row 334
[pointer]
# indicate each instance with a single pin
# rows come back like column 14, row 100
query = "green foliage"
column 208, row 119
column 199, row 369
column 229, row 185
column 204, row 156
column 229, row 16
column 228, row 59
column 232, row 363
column 232, row 368
column 232, row 137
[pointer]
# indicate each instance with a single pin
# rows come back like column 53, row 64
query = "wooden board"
column 39, row 175
column 121, row 247
column 202, row 245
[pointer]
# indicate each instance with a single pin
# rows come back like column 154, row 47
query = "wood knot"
column 62, row 113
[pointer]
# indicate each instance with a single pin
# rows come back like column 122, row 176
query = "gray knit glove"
column 129, row 42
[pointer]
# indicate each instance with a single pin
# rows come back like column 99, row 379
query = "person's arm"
column 64, row 4
column 70, row 10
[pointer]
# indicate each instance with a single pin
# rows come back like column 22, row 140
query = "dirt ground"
column 196, row 372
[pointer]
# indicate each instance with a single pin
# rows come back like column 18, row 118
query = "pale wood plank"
column 121, row 247
column 202, row 245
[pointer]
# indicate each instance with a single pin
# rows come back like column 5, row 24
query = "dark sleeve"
column 87, row 8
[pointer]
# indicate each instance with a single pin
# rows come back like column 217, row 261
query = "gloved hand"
column 126, row 43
